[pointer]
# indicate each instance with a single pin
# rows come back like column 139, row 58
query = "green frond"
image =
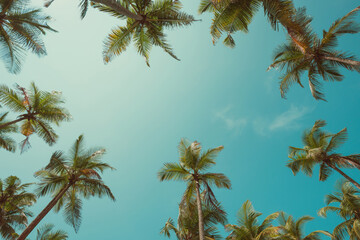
column 217, row 179
column 109, row 10
column 315, row 86
column 208, row 158
column 173, row 171
column 169, row 226
column 117, row 41
column 72, row 209
column 46, row 232
column 21, row 30
column 337, row 140
column 324, row 172
column 11, row 99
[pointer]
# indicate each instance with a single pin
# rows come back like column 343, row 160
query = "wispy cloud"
column 234, row 124
column 262, row 125
column 289, row 118
column 286, row 120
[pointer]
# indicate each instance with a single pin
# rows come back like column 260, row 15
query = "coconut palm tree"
column 145, row 24
column 46, row 233
column 291, row 229
column 14, row 206
column 248, row 226
column 146, row 29
column 7, row 142
column 347, row 199
column 191, row 169
column 319, row 147
column 315, row 56
column 68, row 178
column 21, row 29
column 37, row 109
column 188, row 223
column 230, row 16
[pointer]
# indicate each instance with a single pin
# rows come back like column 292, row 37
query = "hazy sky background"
column 215, row 95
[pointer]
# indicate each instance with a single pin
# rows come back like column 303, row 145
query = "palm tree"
column 191, row 168
column 291, row 229
column 14, row 204
column 316, row 56
column 249, row 228
column 46, row 233
column 21, row 29
column 319, row 149
column 67, row 178
column 145, row 24
column 230, row 16
column 348, row 200
column 188, row 222
column 6, row 142
column 147, row 29
column 38, row 109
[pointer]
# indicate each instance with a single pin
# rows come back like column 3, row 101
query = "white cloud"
column 234, row 124
column 286, row 120
column 289, row 118
column 264, row 125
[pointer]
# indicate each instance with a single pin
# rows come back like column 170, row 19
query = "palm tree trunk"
column 118, row 8
column 344, row 175
column 12, row 122
column 43, row 213
column 346, row 61
column 200, row 213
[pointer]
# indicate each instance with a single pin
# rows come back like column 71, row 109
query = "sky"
column 215, row 95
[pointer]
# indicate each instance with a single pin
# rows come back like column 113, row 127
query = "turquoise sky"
column 215, row 95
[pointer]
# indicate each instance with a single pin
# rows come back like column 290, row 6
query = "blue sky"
column 215, row 95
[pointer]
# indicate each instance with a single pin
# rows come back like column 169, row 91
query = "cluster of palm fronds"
column 68, row 179
column 304, row 52
column 21, row 28
column 200, row 213
column 37, row 110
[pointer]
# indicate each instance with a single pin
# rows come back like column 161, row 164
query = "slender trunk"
column 346, row 61
column 43, row 213
column 344, row 175
column 12, row 122
column 118, row 8
column 200, row 213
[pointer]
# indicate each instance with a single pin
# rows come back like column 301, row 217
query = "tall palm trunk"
column 12, row 122
column 344, row 175
column 200, row 213
column 43, row 213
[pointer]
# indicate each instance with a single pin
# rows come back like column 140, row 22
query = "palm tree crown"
column 14, row 204
column 249, row 228
column 145, row 24
column 21, row 29
column 348, row 200
column 38, row 109
column 291, row 229
column 191, row 169
column 316, row 56
column 67, row 178
column 319, row 147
